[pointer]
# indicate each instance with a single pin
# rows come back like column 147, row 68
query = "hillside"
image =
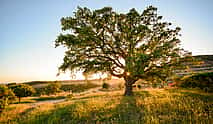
column 206, row 66
column 151, row 106
column 207, row 60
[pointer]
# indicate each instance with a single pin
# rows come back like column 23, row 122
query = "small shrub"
column 105, row 85
column 139, row 86
column 53, row 88
column 69, row 97
column 40, row 91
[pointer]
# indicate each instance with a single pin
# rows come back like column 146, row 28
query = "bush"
column 105, row 85
column 139, row 86
column 6, row 97
column 53, row 88
column 23, row 90
column 40, row 91
column 203, row 81
column 69, row 97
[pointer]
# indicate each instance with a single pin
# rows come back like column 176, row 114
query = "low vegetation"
column 105, row 85
column 53, row 88
column 49, row 88
column 23, row 90
column 38, row 82
column 75, row 88
column 203, row 81
column 148, row 106
column 6, row 97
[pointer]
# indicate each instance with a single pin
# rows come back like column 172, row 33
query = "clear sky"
column 28, row 29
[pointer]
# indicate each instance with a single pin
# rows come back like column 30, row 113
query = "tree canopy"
column 23, row 90
column 129, row 45
column 6, row 96
column 53, row 88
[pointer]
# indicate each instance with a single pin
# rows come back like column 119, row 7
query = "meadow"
column 148, row 106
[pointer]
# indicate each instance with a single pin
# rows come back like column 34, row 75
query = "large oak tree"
column 129, row 45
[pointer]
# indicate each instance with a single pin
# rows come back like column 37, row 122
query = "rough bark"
column 128, row 90
column 128, row 86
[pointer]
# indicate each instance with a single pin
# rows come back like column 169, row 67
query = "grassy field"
column 151, row 106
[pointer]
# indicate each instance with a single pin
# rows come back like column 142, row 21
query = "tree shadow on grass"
column 125, row 112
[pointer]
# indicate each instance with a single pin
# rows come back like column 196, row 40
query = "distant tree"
column 23, row 90
column 132, row 46
column 53, row 88
column 105, row 85
column 6, row 97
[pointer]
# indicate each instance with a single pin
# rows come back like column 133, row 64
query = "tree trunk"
column 19, row 99
column 128, row 86
column 128, row 90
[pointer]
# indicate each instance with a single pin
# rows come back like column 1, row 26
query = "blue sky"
column 29, row 27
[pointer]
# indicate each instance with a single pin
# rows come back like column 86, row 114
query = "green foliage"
column 40, row 91
column 78, row 87
column 69, row 97
column 53, row 88
column 139, row 86
column 75, row 88
column 6, row 97
column 105, row 85
column 23, row 90
column 203, row 81
column 131, row 45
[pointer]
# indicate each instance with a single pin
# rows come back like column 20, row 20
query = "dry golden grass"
column 151, row 106
column 13, row 112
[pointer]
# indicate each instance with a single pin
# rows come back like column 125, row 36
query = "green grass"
column 166, row 106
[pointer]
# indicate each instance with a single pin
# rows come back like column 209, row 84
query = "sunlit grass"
column 148, row 106
column 12, row 113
